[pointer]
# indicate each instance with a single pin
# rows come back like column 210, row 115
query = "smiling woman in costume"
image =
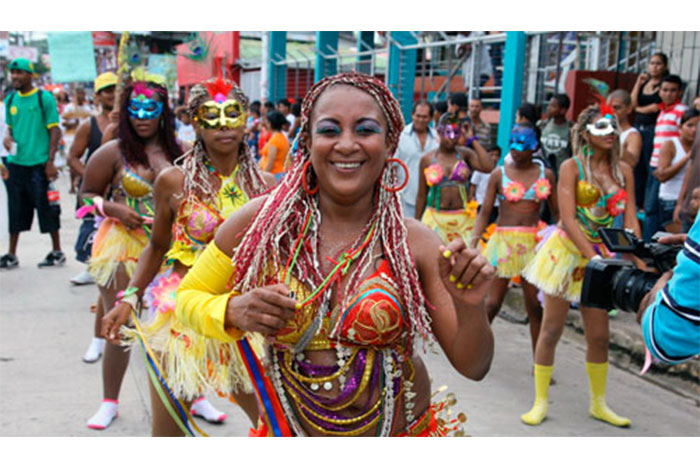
column 594, row 187
column 343, row 288
column 208, row 183
column 123, row 172
column 512, row 244
column 441, row 202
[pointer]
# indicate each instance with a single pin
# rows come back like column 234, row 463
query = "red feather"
column 605, row 109
column 219, row 86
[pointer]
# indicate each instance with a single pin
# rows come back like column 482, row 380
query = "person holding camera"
column 670, row 312
column 594, row 187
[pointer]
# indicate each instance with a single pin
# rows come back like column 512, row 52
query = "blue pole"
column 512, row 91
column 365, row 43
column 327, row 44
column 402, row 70
column 277, row 81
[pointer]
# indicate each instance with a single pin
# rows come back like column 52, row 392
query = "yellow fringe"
column 510, row 249
column 450, row 225
column 114, row 246
column 190, row 361
column 558, row 267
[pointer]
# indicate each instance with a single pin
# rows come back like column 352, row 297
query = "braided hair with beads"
column 271, row 236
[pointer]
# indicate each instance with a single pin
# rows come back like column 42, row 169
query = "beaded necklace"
column 357, row 370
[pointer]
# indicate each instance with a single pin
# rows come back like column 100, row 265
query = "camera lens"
column 630, row 285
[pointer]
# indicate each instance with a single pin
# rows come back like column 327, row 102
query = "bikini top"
column 514, row 191
column 134, row 186
column 374, row 317
column 589, row 198
column 435, row 175
column 197, row 221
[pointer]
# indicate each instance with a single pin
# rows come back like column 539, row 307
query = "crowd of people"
column 297, row 257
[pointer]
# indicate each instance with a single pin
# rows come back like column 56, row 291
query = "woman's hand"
column 127, row 216
column 643, row 77
column 115, row 319
column 467, row 129
column 264, row 310
column 465, row 273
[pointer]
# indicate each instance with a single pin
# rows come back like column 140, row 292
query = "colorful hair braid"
column 198, row 178
column 279, row 222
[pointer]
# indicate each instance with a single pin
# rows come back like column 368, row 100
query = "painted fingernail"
column 459, row 285
column 447, row 253
column 298, row 306
column 469, row 286
column 452, row 278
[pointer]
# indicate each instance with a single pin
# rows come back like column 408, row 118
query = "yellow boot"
column 597, row 378
column 543, row 374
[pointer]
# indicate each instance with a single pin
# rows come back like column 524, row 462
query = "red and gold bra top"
column 374, row 317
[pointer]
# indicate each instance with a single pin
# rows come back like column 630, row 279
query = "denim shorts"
column 83, row 246
column 26, row 192
column 666, row 207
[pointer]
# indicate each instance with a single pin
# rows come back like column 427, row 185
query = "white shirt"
column 290, row 118
column 3, row 129
column 410, row 152
column 670, row 189
column 186, row 133
column 481, row 181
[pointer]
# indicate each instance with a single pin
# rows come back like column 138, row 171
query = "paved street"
column 46, row 390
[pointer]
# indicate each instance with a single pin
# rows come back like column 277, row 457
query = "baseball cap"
column 105, row 80
column 21, row 64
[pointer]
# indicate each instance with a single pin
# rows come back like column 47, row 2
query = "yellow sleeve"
column 203, row 296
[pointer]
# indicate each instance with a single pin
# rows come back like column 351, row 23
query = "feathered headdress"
column 197, row 47
column 600, row 90
column 219, row 89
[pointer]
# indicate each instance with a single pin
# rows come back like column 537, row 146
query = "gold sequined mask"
column 213, row 115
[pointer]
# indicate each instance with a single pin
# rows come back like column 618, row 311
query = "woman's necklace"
column 342, row 262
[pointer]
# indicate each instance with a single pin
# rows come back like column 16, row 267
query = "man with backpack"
column 32, row 139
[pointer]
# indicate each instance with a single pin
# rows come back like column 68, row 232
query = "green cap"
column 21, row 64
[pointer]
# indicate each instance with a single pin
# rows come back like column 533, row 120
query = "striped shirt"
column 668, row 126
column 671, row 325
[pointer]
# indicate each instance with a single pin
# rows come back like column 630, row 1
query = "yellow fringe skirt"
column 558, row 266
column 510, row 249
column 191, row 362
column 450, row 225
column 113, row 246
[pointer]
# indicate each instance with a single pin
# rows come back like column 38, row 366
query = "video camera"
column 619, row 284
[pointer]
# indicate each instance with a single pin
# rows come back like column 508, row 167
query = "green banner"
column 72, row 56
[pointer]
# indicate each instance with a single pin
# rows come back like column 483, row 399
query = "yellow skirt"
column 191, row 362
column 558, row 267
column 510, row 249
column 115, row 245
column 450, row 225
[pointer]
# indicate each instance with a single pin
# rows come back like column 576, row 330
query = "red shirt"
column 668, row 125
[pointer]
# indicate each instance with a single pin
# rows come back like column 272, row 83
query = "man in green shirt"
column 32, row 139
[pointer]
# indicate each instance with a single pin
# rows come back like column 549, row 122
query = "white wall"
column 250, row 83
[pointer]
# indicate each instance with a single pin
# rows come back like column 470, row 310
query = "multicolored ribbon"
column 268, row 403
column 184, row 421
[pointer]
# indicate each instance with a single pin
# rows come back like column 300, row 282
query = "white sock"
column 204, row 409
column 94, row 351
column 109, row 410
